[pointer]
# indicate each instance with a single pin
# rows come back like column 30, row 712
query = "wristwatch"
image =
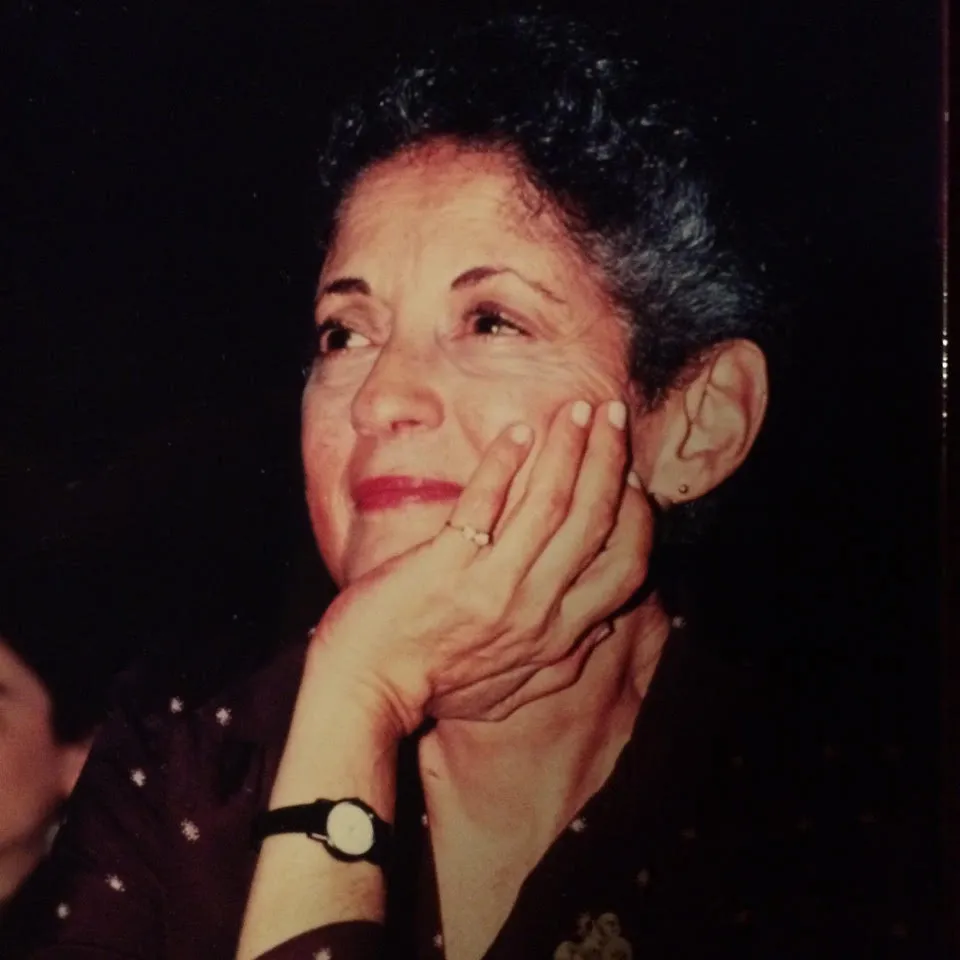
column 350, row 829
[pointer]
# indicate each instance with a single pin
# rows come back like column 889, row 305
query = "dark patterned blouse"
column 719, row 834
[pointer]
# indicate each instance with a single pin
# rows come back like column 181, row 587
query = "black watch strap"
column 310, row 819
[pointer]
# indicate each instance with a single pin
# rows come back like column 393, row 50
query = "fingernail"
column 520, row 433
column 580, row 414
column 617, row 414
column 633, row 480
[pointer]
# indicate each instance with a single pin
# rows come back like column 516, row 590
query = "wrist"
column 342, row 741
column 340, row 678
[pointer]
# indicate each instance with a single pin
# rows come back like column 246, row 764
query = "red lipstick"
column 382, row 493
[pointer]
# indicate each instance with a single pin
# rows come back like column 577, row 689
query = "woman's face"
column 450, row 306
column 36, row 772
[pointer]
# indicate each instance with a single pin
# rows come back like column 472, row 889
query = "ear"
column 73, row 756
column 706, row 426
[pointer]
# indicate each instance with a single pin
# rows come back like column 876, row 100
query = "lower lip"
column 387, row 499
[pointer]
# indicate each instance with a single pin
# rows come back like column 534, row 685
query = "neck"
column 562, row 747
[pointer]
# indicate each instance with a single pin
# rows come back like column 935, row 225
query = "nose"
column 399, row 394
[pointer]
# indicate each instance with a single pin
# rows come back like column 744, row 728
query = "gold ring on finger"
column 480, row 538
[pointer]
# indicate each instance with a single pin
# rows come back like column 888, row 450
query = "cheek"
column 326, row 442
column 488, row 410
column 29, row 791
column 530, row 383
column 535, row 396
column 534, row 392
column 581, row 368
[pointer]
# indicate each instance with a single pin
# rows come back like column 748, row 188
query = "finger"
column 482, row 501
column 594, row 508
column 477, row 700
column 548, row 494
column 501, row 691
column 554, row 677
column 616, row 573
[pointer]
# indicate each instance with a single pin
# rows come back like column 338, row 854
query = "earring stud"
column 683, row 488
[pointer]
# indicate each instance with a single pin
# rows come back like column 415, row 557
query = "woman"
column 532, row 350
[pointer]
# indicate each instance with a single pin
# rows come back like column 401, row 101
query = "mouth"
column 388, row 492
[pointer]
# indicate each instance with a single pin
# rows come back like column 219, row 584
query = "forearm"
column 339, row 745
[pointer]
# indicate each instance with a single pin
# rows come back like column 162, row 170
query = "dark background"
column 157, row 269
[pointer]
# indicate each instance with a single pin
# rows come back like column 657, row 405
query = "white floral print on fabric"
column 176, row 705
column 115, row 883
column 578, row 825
column 138, row 776
column 63, row 910
column 324, row 954
column 223, row 716
column 190, row 830
column 600, row 939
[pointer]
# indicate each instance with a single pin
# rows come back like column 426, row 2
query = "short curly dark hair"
column 619, row 164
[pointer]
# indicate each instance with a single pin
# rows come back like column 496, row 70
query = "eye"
column 488, row 321
column 334, row 337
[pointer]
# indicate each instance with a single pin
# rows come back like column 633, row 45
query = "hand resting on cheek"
column 454, row 629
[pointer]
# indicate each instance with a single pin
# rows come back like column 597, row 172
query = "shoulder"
column 193, row 682
column 176, row 712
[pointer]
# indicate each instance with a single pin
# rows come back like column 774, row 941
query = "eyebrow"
column 470, row 278
column 477, row 275
column 344, row 285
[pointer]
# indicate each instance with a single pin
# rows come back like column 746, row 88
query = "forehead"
column 448, row 201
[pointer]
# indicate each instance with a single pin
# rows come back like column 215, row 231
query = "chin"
column 387, row 537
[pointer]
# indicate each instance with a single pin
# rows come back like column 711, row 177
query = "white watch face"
column 349, row 829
